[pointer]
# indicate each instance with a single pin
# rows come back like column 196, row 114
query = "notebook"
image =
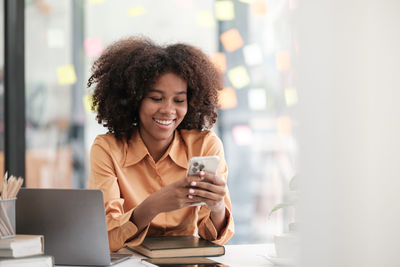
column 72, row 222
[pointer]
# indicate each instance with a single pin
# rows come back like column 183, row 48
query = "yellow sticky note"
column 259, row 7
column 239, row 77
column 96, row 1
column 252, row 54
column 66, row 75
column 205, row 18
column 137, row 11
column 231, row 40
column 257, row 99
column 242, row 135
column 227, row 98
column 219, row 60
column 282, row 60
column 87, row 103
column 284, row 125
column 291, row 96
column 224, row 10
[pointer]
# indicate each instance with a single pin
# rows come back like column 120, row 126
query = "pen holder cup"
column 7, row 217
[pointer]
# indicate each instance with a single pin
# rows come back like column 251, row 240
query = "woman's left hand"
column 211, row 189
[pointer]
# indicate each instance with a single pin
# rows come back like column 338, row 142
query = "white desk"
column 235, row 256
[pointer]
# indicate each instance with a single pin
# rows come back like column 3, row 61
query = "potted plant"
column 287, row 243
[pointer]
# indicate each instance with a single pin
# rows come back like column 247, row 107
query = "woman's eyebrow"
column 162, row 92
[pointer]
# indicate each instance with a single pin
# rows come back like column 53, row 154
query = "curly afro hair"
column 130, row 67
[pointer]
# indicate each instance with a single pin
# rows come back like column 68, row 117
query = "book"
column 183, row 261
column 178, row 246
column 22, row 246
column 32, row 261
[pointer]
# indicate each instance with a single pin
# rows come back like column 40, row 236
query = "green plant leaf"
column 280, row 206
column 293, row 185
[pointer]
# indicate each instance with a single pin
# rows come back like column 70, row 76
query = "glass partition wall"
column 251, row 42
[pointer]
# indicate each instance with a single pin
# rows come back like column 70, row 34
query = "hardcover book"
column 33, row 261
column 22, row 246
column 178, row 246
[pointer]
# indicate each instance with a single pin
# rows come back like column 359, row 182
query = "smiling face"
column 162, row 110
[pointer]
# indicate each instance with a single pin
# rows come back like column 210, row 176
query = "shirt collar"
column 136, row 150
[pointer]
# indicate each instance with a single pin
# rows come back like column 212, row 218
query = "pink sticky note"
column 93, row 46
column 242, row 135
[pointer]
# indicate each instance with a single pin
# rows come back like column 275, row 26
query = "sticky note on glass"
column 136, row 11
column 55, row 38
column 219, row 60
column 247, row 1
column 224, row 10
column 239, row 77
column 66, row 75
column 252, row 54
column 282, row 60
column 257, row 99
column 231, row 40
column 284, row 125
column 87, row 103
column 291, row 97
column 242, row 135
column 205, row 19
column 227, row 98
column 184, row 4
column 93, row 46
column 259, row 7
column 292, row 4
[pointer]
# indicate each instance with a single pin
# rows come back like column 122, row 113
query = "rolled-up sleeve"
column 103, row 176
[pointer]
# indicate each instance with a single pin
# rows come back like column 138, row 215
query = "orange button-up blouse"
column 127, row 174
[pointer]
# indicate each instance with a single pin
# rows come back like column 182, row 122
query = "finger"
column 205, row 194
column 211, row 178
column 218, row 189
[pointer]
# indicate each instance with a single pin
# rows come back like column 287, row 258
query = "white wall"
column 349, row 92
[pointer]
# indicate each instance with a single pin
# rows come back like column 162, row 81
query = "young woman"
column 157, row 103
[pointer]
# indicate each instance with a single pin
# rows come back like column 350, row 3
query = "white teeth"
column 163, row 122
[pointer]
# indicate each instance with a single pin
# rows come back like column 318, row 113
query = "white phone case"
column 205, row 163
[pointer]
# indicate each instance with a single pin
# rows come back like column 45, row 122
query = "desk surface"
column 235, row 256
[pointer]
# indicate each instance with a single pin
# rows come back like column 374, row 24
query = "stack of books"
column 24, row 250
column 178, row 251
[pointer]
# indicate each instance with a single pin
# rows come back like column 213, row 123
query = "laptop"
column 72, row 222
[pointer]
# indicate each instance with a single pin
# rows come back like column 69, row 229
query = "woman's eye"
column 157, row 99
column 179, row 100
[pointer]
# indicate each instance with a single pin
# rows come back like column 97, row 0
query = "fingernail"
column 191, row 191
column 202, row 173
column 193, row 183
column 190, row 196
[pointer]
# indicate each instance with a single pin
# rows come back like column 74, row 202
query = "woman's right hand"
column 174, row 196
column 171, row 197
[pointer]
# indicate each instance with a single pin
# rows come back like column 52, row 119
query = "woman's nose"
column 167, row 107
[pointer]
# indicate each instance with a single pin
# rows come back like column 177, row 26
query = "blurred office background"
column 252, row 43
column 318, row 75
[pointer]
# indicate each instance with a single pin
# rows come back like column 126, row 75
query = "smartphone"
column 182, row 262
column 204, row 163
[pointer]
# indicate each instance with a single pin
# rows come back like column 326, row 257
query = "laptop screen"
column 71, row 220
